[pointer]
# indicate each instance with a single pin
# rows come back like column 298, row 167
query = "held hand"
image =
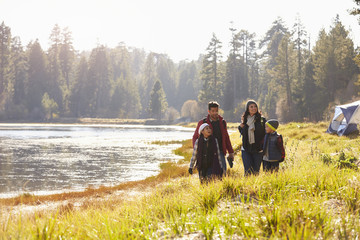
column 190, row 171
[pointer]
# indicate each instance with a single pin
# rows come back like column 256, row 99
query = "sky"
column 182, row 29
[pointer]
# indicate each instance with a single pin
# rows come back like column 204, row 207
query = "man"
column 219, row 129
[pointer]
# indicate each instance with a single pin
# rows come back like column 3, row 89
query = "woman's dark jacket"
column 259, row 136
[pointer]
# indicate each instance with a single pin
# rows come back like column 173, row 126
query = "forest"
column 292, row 77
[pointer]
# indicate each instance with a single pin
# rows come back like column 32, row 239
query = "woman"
column 252, row 129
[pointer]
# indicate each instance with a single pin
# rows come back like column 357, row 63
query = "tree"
column 233, row 73
column 356, row 11
column 5, row 44
column 165, row 69
column 334, row 65
column 18, row 69
column 190, row 109
column 210, row 73
column 37, row 79
column 149, row 77
column 272, row 42
column 79, row 99
column 188, row 78
column 283, row 76
column 125, row 101
column 66, row 55
column 158, row 104
column 55, row 75
column 299, row 35
column 50, row 106
column 66, row 60
column 99, row 82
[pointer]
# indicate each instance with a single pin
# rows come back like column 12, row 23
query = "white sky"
column 180, row 28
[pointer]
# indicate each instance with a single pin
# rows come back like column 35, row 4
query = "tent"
column 345, row 119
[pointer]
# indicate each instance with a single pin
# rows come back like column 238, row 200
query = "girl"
column 206, row 154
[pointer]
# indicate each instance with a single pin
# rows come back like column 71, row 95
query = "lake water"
column 51, row 158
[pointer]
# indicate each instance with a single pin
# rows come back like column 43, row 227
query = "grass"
column 314, row 195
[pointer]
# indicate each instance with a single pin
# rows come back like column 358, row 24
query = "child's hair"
column 212, row 104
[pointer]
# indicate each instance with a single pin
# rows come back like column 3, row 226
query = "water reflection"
column 45, row 158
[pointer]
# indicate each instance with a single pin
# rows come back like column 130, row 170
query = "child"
column 274, row 151
column 206, row 154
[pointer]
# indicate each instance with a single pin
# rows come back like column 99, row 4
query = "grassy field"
column 314, row 196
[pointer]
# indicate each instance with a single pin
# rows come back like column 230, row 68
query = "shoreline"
column 168, row 170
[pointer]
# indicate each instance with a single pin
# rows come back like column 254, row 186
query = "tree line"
column 291, row 79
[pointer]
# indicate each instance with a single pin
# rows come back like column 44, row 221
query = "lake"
column 52, row 158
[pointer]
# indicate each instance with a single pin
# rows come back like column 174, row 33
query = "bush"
column 341, row 161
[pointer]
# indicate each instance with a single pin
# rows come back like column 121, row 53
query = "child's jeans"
column 270, row 166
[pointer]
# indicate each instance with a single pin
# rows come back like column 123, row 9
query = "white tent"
column 346, row 119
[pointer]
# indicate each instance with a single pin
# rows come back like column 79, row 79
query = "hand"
column 231, row 161
column 190, row 171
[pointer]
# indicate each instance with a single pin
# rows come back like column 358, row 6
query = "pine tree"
column 334, row 65
column 188, row 82
column 55, row 75
column 125, row 101
column 232, row 74
column 158, row 104
column 37, row 79
column 19, row 69
column 268, row 85
column 149, row 77
column 210, row 72
column 165, row 69
column 99, row 81
column 5, row 45
column 283, row 75
column 79, row 99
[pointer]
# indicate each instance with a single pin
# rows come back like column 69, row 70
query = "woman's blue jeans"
column 252, row 162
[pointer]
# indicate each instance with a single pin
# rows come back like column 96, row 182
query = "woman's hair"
column 247, row 113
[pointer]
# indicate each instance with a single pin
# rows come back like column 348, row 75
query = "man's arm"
column 228, row 142
column 196, row 133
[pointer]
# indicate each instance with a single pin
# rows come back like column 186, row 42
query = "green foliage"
column 340, row 160
column 50, row 106
column 158, row 103
column 289, row 80
column 211, row 73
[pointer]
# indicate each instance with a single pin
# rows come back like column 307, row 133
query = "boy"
column 274, row 151
column 206, row 154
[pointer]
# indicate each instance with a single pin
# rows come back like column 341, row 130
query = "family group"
column 261, row 144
